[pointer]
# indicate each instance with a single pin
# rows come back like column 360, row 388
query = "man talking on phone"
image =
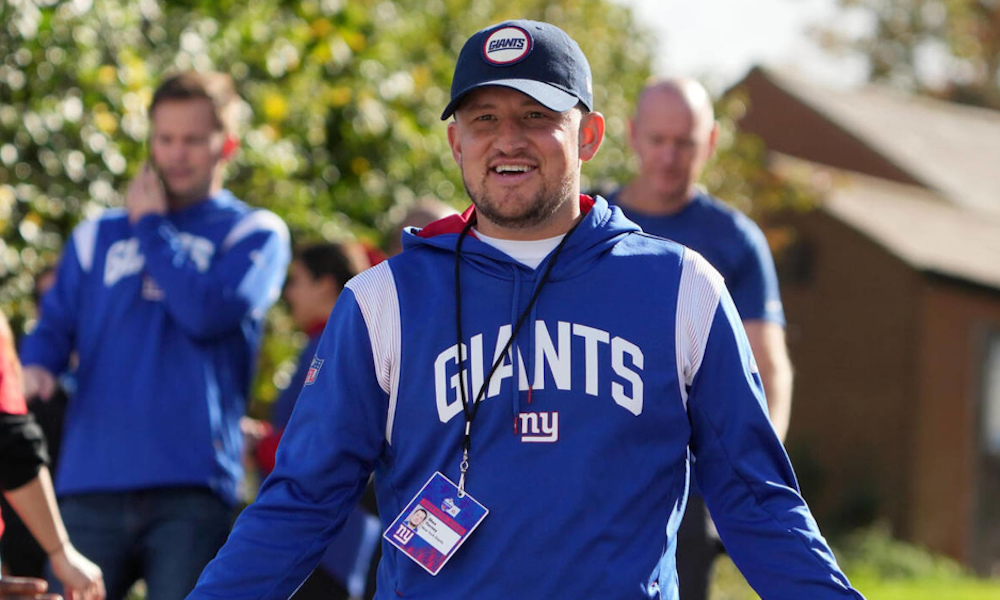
column 164, row 304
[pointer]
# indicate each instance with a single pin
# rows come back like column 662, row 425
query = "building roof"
column 914, row 224
column 951, row 148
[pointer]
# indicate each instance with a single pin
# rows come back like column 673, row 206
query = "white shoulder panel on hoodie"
column 256, row 220
column 698, row 297
column 375, row 292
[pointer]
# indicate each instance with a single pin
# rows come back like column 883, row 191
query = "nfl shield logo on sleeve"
column 313, row 372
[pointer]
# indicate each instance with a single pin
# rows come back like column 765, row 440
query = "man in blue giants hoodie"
column 163, row 302
column 540, row 358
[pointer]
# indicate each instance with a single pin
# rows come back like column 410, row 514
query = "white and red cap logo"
column 507, row 46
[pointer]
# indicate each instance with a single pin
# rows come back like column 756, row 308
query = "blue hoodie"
column 166, row 317
column 632, row 354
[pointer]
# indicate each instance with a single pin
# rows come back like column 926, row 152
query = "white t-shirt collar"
column 527, row 252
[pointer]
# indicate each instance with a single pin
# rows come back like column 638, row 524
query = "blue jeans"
column 164, row 536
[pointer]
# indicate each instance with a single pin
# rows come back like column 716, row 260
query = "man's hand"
column 25, row 588
column 145, row 194
column 38, row 382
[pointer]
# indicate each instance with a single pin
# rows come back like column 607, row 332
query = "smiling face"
column 521, row 161
column 186, row 149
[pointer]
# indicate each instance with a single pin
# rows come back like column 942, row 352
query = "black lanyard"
column 470, row 411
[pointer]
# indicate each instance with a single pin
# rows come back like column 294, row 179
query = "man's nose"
column 510, row 136
column 668, row 153
column 175, row 151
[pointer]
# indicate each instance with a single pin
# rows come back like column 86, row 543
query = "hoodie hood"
column 601, row 228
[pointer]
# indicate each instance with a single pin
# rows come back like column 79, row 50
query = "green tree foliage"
column 944, row 48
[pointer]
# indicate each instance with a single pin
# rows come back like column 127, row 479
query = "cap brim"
column 548, row 96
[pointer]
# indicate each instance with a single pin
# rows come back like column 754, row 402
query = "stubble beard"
column 535, row 212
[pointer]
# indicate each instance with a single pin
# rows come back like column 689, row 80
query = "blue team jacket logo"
column 124, row 257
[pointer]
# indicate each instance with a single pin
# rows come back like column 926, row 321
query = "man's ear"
column 713, row 138
column 591, row 134
column 454, row 142
column 229, row 146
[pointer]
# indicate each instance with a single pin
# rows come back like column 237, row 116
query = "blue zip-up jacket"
column 166, row 317
column 632, row 354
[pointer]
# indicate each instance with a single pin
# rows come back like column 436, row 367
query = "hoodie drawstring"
column 515, row 353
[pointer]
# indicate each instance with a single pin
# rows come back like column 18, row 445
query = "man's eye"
column 485, row 118
column 536, row 115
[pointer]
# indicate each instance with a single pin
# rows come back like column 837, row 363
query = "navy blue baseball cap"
column 532, row 57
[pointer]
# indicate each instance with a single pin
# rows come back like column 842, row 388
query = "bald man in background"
column 673, row 134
